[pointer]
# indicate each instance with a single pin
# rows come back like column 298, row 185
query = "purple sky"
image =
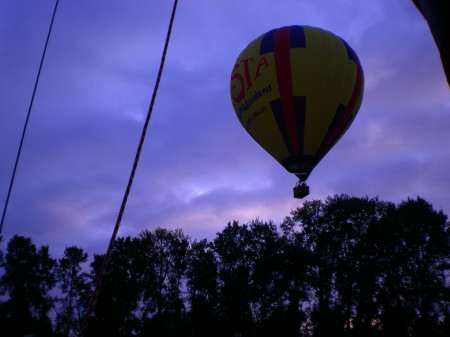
column 199, row 169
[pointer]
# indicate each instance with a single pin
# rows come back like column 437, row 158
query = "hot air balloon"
column 437, row 14
column 296, row 90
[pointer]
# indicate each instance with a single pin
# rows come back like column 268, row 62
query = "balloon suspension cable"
column 107, row 257
column 19, row 151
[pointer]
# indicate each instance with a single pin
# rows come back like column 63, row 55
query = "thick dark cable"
column 107, row 257
column 11, row 183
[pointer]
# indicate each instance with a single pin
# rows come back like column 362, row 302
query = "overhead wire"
column 19, row 151
column 107, row 256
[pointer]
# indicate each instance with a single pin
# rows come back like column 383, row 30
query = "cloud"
column 199, row 168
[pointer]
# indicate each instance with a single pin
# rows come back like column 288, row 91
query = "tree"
column 28, row 278
column 317, row 236
column 356, row 282
column 375, row 268
column 342, row 270
column 117, row 307
column 163, row 256
column 232, row 247
column 73, row 283
column 203, row 293
column 415, row 258
column 295, row 268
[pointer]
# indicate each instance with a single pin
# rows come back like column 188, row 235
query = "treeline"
column 343, row 266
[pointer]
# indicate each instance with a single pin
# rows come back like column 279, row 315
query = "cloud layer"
column 199, row 169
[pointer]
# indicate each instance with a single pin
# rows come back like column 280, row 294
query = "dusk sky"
column 199, row 168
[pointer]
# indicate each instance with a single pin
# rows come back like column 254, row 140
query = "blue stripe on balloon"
column 297, row 37
column 300, row 112
column 328, row 141
column 350, row 53
column 267, row 42
column 278, row 113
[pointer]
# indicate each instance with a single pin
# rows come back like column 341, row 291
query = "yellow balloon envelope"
column 296, row 90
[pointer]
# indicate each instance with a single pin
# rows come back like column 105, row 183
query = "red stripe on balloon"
column 356, row 91
column 347, row 115
column 282, row 53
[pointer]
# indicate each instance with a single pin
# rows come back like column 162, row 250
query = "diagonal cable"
column 107, row 257
column 11, row 183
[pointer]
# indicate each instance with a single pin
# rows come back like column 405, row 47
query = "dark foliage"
column 27, row 279
column 73, row 284
column 339, row 267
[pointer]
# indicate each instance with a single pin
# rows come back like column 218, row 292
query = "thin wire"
column 130, row 182
column 11, row 183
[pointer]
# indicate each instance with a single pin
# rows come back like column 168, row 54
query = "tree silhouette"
column 414, row 254
column 202, row 280
column 376, row 268
column 233, row 250
column 296, row 271
column 73, row 283
column 165, row 256
column 115, row 313
column 343, row 266
column 271, row 283
column 28, row 277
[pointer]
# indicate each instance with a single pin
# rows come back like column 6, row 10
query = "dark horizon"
column 342, row 266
